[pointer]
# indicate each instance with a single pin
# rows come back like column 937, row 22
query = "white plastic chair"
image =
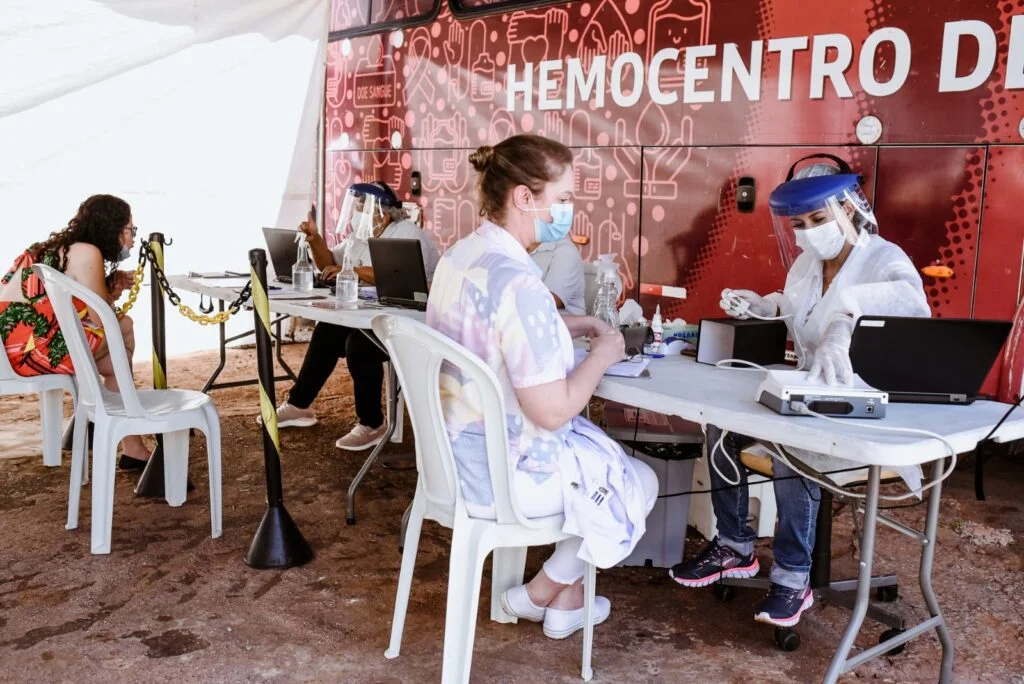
column 170, row 412
column 418, row 352
column 51, row 389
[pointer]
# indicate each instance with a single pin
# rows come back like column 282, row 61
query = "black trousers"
column 365, row 363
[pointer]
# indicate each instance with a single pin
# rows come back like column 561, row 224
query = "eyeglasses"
column 133, row 228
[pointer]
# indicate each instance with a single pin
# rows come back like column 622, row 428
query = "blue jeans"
column 797, row 501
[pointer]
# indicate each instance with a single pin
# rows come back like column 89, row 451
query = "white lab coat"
column 603, row 496
column 877, row 279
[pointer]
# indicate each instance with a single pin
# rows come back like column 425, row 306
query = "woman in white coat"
column 842, row 269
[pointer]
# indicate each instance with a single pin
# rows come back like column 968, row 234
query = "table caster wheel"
column 724, row 592
column 887, row 594
column 786, row 639
column 889, row 634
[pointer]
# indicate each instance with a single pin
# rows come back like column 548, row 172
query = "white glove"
column 744, row 303
column 832, row 357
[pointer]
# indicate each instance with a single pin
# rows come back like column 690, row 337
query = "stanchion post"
column 278, row 543
column 151, row 482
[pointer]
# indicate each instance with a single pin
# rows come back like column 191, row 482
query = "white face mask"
column 361, row 226
column 823, row 242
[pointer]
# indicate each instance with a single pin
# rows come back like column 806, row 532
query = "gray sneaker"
column 292, row 416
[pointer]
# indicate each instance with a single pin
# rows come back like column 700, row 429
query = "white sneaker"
column 559, row 624
column 361, row 437
column 517, row 603
column 292, row 416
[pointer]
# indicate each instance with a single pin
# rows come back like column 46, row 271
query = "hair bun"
column 481, row 159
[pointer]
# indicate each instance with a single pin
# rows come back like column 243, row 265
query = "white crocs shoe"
column 292, row 416
column 516, row 602
column 559, row 624
column 361, row 437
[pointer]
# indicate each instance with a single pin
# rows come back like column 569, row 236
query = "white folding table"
column 357, row 319
column 704, row 394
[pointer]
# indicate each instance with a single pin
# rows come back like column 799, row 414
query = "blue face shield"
column 559, row 225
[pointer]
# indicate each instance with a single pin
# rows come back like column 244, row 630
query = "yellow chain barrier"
column 203, row 319
column 133, row 293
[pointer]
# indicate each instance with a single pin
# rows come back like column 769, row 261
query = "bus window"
column 365, row 17
column 473, row 8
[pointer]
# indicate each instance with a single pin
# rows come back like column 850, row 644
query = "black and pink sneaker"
column 783, row 606
column 714, row 563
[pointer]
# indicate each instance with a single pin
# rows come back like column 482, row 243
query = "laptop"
column 926, row 360
column 283, row 251
column 399, row 272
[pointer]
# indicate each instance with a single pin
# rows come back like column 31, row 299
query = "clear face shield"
column 820, row 215
column 363, row 214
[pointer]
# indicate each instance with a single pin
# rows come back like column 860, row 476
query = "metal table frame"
column 212, row 384
column 683, row 392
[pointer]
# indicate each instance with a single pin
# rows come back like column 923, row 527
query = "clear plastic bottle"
column 302, row 271
column 346, row 287
column 607, row 291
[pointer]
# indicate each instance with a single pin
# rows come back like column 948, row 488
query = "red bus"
column 670, row 105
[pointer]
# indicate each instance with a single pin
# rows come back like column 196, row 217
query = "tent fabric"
column 201, row 114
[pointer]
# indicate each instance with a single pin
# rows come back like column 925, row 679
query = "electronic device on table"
column 788, row 391
column 282, row 250
column 399, row 273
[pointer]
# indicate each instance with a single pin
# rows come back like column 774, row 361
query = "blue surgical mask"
column 559, row 225
column 124, row 253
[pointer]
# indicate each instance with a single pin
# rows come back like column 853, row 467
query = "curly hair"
column 99, row 222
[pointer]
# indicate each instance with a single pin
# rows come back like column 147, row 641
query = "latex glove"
column 832, row 357
column 740, row 303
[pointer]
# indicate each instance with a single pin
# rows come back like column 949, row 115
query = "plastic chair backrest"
column 6, row 370
column 61, row 289
column 418, row 353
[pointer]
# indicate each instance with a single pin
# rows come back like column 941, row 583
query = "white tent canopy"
column 201, row 114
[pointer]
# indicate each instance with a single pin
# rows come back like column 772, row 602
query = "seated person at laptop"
column 562, row 272
column 370, row 210
column 488, row 296
column 845, row 270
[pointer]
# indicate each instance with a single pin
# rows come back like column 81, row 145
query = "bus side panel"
column 1001, row 250
column 929, row 203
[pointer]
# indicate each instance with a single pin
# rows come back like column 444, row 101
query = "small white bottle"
column 657, row 329
column 346, row 287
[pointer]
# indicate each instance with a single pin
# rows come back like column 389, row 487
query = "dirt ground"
column 170, row 602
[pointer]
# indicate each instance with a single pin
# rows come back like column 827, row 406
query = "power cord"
column 802, row 408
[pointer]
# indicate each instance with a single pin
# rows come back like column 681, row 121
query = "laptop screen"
column 926, row 355
column 398, row 268
column 282, row 249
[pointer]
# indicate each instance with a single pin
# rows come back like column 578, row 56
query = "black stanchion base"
column 151, row 482
column 278, row 543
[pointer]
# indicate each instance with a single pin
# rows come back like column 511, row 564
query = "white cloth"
column 561, row 269
column 397, row 230
column 878, row 279
column 541, row 498
column 603, row 494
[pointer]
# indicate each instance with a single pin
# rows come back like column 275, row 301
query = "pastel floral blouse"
column 487, row 295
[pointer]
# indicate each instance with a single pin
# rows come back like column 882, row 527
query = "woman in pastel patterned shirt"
column 488, row 295
column 101, row 233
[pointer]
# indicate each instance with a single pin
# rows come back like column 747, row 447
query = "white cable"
column 799, row 406
column 750, row 365
column 732, row 461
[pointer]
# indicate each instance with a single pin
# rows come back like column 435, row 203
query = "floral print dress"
column 32, row 339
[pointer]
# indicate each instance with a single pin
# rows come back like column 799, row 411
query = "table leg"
column 350, row 504
column 927, row 556
column 280, row 359
column 860, row 607
column 223, row 351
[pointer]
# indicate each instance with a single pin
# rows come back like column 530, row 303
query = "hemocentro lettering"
column 568, row 84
